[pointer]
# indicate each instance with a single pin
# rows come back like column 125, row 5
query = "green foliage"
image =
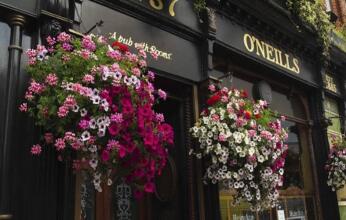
column 312, row 14
column 200, row 5
column 341, row 34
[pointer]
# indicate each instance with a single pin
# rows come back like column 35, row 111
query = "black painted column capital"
column 16, row 22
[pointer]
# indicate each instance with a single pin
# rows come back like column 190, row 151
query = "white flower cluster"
column 245, row 145
column 336, row 168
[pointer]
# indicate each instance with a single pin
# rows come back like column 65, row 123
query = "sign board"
column 281, row 214
column 265, row 51
column 177, row 55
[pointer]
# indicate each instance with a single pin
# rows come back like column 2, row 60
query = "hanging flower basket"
column 336, row 164
column 244, row 143
column 95, row 103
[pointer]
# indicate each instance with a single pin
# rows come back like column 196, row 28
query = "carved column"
column 15, row 51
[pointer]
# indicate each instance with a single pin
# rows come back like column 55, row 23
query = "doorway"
column 172, row 198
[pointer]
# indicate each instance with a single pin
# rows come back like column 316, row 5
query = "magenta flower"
column 136, row 71
column 162, row 94
column 104, row 111
column 51, row 79
column 70, row 101
column 212, row 88
column 138, row 194
column 113, row 129
column 117, row 117
column 23, row 107
column 49, row 138
column 84, row 124
column 60, row 144
column 88, row 43
column 159, row 117
column 67, row 46
column 151, row 75
column 63, row 111
column 154, row 54
column 88, row 78
column 35, row 87
column 122, row 152
column 85, row 54
column 70, row 136
column 31, row 53
column 50, row 40
column 112, row 144
column 105, row 155
column 64, row 37
column 149, row 187
column 36, row 149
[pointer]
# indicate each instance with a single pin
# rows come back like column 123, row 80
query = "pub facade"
column 250, row 45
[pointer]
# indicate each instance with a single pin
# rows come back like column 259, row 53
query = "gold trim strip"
column 5, row 216
column 15, row 47
column 77, row 33
column 16, row 19
column 61, row 18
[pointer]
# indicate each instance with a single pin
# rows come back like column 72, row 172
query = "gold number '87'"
column 158, row 5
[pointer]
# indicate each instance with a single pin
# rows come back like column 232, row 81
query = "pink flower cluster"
column 103, row 112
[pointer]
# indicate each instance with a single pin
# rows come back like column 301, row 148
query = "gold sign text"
column 270, row 53
column 329, row 83
column 129, row 41
column 159, row 5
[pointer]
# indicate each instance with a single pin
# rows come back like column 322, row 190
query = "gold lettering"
column 280, row 60
column 156, row 4
column 247, row 37
column 289, row 63
column 269, row 53
column 171, row 8
column 330, row 84
column 296, row 66
column 259, row 47
column 276, row 56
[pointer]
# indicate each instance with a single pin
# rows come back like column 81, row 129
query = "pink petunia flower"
column 36, row 149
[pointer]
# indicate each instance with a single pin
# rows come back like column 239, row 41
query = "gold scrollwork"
column 171, row 8
column 156, row 4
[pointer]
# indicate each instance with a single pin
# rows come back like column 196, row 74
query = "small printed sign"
column 281, row 214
